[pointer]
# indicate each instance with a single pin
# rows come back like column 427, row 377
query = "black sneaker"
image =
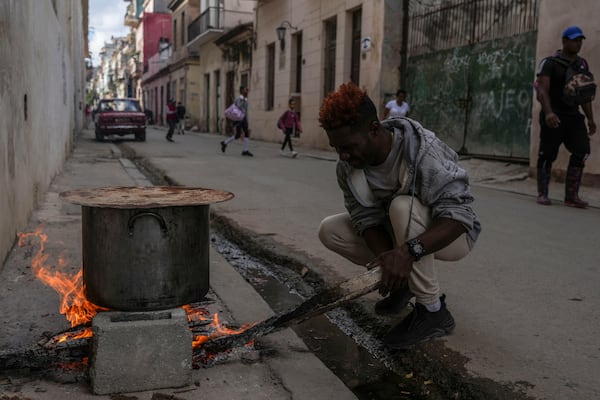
column 247, row 153
column 223, row 147
column 395, row 302
column 420, row 325
column 169, row 139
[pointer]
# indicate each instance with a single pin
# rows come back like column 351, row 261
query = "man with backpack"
column 564, row 84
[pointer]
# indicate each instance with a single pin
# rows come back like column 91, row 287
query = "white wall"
column 42, row 60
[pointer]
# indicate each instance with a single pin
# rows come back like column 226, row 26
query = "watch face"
column 416, row 247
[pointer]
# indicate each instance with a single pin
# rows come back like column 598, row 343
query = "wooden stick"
column 316, row 305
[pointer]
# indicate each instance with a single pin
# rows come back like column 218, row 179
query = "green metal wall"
column 477, row 98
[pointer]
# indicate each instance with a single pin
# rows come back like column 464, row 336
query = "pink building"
column 157, row 36
column 156, row 26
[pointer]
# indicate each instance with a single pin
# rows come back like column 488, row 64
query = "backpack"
column 279, row 123
column 579, row 82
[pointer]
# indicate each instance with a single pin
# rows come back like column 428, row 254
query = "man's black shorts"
column 571, row 131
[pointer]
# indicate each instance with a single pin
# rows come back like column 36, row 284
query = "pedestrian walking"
column 171, row 119
column 241, row 126
column 564, row 85
column 407, row 203
column 289, row 123
column 180, row 118
column 397, row 107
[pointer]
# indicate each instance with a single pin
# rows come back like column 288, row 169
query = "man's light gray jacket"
column 429, row 171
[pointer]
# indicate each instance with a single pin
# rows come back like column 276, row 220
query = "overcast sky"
column 106, row 20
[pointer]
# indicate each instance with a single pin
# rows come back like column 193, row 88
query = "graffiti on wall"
column 478, row 98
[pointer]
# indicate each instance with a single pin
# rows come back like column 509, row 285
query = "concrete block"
column 138, row 351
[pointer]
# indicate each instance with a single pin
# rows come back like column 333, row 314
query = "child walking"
column 289, row 123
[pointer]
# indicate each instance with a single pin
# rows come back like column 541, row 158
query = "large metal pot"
column 145, row 248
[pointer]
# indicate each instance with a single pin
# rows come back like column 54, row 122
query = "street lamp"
column 281, row 32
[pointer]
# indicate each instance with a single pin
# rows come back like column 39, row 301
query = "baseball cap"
column 573, row 32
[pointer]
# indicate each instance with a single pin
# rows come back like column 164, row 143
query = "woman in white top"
column 397, row 107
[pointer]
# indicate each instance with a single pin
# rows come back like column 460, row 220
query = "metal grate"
column 449, row 24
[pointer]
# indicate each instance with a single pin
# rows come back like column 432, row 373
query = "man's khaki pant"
column 337, row 234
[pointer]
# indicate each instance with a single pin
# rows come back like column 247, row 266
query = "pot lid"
column 145, row 197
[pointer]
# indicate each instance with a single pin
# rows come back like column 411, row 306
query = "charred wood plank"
column 40, row 358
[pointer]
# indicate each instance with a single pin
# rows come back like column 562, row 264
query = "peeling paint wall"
column 42, row 95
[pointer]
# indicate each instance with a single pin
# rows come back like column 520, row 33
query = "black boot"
column 572, row 183
column 543, row 179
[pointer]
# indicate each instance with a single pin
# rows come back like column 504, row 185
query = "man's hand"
column 396, row 265
column 552, row 120
column 591, row 127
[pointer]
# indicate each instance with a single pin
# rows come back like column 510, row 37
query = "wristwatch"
column 416, row 248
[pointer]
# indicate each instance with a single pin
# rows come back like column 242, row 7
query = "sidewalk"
column 29, row 308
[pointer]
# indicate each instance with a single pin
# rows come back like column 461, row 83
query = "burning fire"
column 73, row 304
column 79, row 311
column 215, row 329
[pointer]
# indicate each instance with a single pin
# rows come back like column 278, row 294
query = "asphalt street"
column 525, row 300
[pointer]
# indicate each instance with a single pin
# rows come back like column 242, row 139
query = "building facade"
column 322, row 45
column 220, row 71
column 473, row 63
column 184, row 67
column 157, row 31
column 133, row 19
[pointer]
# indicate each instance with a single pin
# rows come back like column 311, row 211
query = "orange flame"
column 73, row 304
column 78, row 310
column 214, row 327
column 69, row 336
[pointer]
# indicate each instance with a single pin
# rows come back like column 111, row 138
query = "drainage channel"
column 344, row 347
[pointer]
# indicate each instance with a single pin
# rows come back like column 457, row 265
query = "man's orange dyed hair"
column 349, row 105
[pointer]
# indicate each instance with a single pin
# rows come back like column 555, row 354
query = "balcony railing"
column 209, row 20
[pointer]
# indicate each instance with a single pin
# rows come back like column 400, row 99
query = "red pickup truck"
column 120, row 117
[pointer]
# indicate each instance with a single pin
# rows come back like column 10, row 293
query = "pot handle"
column 161, row 221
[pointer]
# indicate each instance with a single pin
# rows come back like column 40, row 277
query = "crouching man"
column 407, row 202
